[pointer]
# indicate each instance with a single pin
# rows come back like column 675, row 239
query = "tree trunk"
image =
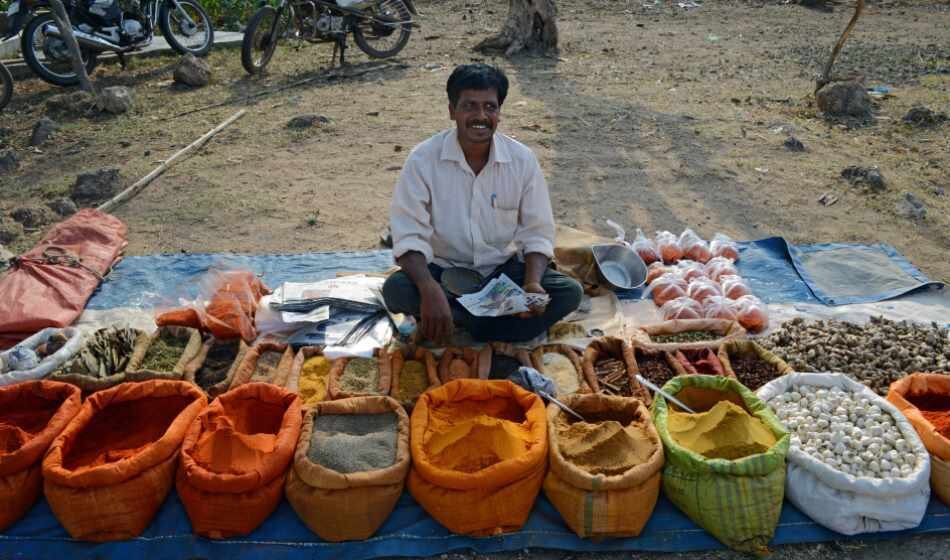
column 531, row 26
column 58, row 11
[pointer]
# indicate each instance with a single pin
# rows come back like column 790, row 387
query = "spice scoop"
column 534, row 381
column 666, row 395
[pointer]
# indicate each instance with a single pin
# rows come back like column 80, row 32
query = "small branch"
column 327, row 76
column 825, row 76
column 128, row 193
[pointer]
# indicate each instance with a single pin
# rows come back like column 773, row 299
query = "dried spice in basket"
column 164, row 351
column 215, row 368
column 612, row 377
column 361, row 376
column 413, row 381
column 266, row 366
column 655, row 368
column 685, row 336
column 752, row 371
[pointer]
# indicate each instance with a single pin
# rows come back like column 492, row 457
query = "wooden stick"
column 144, row 181
column 327, row 76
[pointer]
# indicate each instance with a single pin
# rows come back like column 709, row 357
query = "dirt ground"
column 653, row 116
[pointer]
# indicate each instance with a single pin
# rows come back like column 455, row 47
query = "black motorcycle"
column 381, row 28
column 102, row 26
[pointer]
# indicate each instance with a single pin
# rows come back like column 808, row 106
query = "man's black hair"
column 476, row 76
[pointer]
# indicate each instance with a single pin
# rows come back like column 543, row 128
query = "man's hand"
column 436, row 324
column 533, row 288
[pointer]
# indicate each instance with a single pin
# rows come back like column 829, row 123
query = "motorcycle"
column 381, row 28
column 101, row 26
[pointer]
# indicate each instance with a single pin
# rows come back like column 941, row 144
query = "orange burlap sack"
column 398, row 361
column 605, row 505
column 32, row 414
column 235, row 458
column 339, row 506
column 230, row 310
column 109, row 471
column 252, row 370
column 479, row 454
column 921, row 387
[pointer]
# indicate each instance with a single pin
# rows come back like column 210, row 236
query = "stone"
column 63, row 206
column 32, row 217
column 939, row 191
column 924, row 117
column 793, row 144
column 10, row 230
column 844, row 99
column 72, row 103
column 9, row 162
column 5, row 256
column 97, row 186
column 115, row 100
column 910, row 207
column 870, row 176
column 42, row 131
column 307, row 121
column 192, row 71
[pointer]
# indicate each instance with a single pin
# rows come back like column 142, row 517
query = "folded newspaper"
column 501, row 297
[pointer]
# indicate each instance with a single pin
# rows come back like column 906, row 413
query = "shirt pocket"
column 501, row 231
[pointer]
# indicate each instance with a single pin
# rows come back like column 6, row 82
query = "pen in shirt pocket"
column 493, row 197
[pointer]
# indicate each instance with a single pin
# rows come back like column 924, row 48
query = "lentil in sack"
column 265, row 362
column 413, row 374
column 350, row 466
column 479, row 454
column 604, row 477
column 361, row 377
column 217, row 362
column 235, row 457
column 164, row 354
column 32, row 414
column 109, row 471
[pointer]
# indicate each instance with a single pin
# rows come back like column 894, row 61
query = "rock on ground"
column 115, row 100
column 42, row 131
column 96, row 186
column 192, row 71
column 72, row 103
column 9, row 162
column 63, row 206
column 870, row 176
column 32, row 217
column 844, row 99
column 307, row 121
column 910, row 207
column 9, row 230
column 793, row 144
column 924, row 117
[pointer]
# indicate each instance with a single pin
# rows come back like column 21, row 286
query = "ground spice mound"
column 413, row 381
column 314, row 375
column 349, row 443
column 561, row 370
column 266, row 366
column 607, row 448
column 752, row 371
column 217, row 363
column 726, row 431
column 935, row 409
column 502, row 366
column 164, row 351
column 361, row 376
column 469, row 436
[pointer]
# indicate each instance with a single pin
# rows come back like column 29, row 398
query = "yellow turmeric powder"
column 314, row 376
column 726, row 431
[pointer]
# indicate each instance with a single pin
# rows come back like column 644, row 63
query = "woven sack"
column 584, row 383
column 249, row 372
column 109, row 471
column 347, row 506
column 32, row 414
column 383, row 362
column 726, row 330
column 198, row 369
column 139, row 369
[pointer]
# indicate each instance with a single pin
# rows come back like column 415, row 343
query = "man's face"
column 476, row 114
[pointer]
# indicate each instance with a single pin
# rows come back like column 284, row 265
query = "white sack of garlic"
column 856, row 465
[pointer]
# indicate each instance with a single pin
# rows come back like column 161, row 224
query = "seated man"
column 473, row 198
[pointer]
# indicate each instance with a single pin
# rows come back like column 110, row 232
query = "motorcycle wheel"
column 36, row 53
column 260, row 40
column 6, row 90
column 384, row 39
column 193, row 35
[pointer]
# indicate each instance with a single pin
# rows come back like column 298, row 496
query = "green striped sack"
column 739, row 501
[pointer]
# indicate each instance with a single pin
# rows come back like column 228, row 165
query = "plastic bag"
column 723, row 246
column 734, row 287
column 656, row 270
column 646, row 248
column 751, row 313
column 55, row 354
column 667, row 287
column 719, row 307
column 669, row 247
column 720, row 266
column 681, row 308
column 694, row 247
column 229, row 311
column 702, row 288
column 691, row 270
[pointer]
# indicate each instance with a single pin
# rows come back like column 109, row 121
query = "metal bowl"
column 460, row 281
column 620, row 265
